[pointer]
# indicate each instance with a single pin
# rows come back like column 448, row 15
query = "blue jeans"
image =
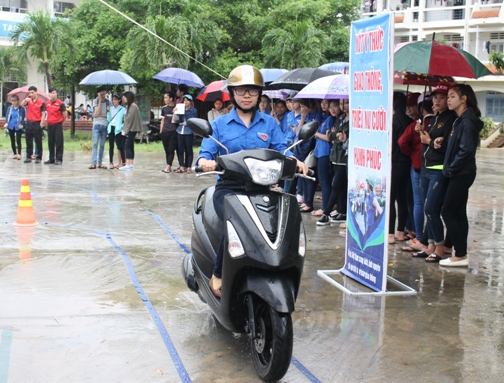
column 418, row 203
column 324, row 177
column 99, row 134
column 432, row 183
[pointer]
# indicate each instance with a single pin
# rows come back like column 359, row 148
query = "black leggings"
column 15, row 137
column 454, row 211
column 111, row 139
column 398, row 189
column 120, row 141
column 169, row 139
column 339, row 188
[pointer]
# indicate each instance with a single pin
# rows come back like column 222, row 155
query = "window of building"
column 13, row 6
column 60, row 7
column 495, row 107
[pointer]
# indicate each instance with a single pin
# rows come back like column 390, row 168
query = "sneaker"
column 27, row 161
column 339, row 218
column 38, row 161
column 58, row 163
column 48, row 162
column 323, row 221
column 126, row 167
column 334, row 213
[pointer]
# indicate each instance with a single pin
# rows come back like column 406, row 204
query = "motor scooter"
column 264, row 252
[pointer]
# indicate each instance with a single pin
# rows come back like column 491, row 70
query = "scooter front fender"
column 277, row 289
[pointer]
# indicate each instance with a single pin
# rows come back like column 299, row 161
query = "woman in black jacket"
column 460, row 168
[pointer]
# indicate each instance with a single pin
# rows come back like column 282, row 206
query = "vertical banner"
column 369, row 158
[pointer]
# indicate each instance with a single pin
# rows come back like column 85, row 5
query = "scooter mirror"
column 308, row 130
column 200, row 127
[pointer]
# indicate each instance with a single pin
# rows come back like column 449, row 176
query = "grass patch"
column 82, row 142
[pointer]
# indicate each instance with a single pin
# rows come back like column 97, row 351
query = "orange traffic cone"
column 25, row 236
column 25, row 215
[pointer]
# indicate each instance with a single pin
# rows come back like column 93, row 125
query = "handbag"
column 311, row 160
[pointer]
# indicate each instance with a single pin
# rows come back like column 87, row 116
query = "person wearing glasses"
column 242, row 128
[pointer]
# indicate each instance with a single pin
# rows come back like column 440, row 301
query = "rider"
column 243, row 128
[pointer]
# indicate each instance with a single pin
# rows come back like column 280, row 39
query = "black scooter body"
column 271, row 268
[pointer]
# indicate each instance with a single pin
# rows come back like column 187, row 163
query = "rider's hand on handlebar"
column 302, row 168
column 207, row 165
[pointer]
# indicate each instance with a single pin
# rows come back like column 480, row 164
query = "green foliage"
column 220, row 34
column 41, row 37
column 9, row 63
column 497, row 60
column 488, row 127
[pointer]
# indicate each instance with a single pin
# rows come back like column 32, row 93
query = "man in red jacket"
column 56, row 114
column 34, row 117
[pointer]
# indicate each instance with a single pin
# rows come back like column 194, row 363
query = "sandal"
column 433, row 258
column 102, row 166
column 317, row 213
column 92, row 167
column 408, row 248
column 189, row 171
column 166, row 171
column 421, row 254
column 180, row 171
column 111, row 166
column 118, row 166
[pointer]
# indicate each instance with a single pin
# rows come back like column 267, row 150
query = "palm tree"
column 9, row 65
column 303, row 46
column 41, row 37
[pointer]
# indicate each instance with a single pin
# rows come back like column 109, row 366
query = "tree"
column 10, row 65
column 301, row 46
column 41, row 37
column 497, row 60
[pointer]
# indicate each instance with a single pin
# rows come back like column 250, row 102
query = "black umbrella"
column 298, row 78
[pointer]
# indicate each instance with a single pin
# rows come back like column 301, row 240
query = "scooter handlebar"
column 197, row 169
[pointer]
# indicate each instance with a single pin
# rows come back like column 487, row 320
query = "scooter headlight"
column 235, row 246
column 264, row 172
column 302, row 241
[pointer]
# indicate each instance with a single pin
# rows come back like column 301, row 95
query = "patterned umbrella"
column 431, row 57
column 327, row 88
column 411, row 78
column 180, row 76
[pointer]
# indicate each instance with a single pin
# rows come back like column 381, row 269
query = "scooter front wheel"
column 272, row 346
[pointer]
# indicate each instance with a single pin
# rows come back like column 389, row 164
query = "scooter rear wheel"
column 272, row 347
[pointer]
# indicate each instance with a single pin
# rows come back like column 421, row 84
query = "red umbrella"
column 22, row 93
column 213, row 91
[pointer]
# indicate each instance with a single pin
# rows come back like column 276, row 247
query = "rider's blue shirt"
column 230, row 131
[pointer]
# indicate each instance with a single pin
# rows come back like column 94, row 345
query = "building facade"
column 476, row 26
column 13, row 12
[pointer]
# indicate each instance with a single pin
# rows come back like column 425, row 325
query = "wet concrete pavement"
column 94, row 293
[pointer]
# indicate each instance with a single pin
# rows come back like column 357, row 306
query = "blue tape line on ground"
column 305, row 371
column 179, row 366
column 158, row 220
column 5, row 347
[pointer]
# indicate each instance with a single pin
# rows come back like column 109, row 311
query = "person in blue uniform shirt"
column 243, row 128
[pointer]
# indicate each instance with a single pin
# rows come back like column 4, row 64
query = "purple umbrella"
column 327, row 88
column 342, row 67
column 180, row 76
column 277, row 94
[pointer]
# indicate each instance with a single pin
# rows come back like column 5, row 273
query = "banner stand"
column 404, row 289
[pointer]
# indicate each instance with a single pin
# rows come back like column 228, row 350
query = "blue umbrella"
column 342, row 67
column 271, row 74
column 108, row 77
column 180, row 76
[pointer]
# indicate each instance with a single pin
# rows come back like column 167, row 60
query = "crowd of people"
column 434, row 142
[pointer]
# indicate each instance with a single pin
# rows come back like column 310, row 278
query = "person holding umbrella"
column 14, row 121
column 101, row 107
column 459, row 168
column 185, row 136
